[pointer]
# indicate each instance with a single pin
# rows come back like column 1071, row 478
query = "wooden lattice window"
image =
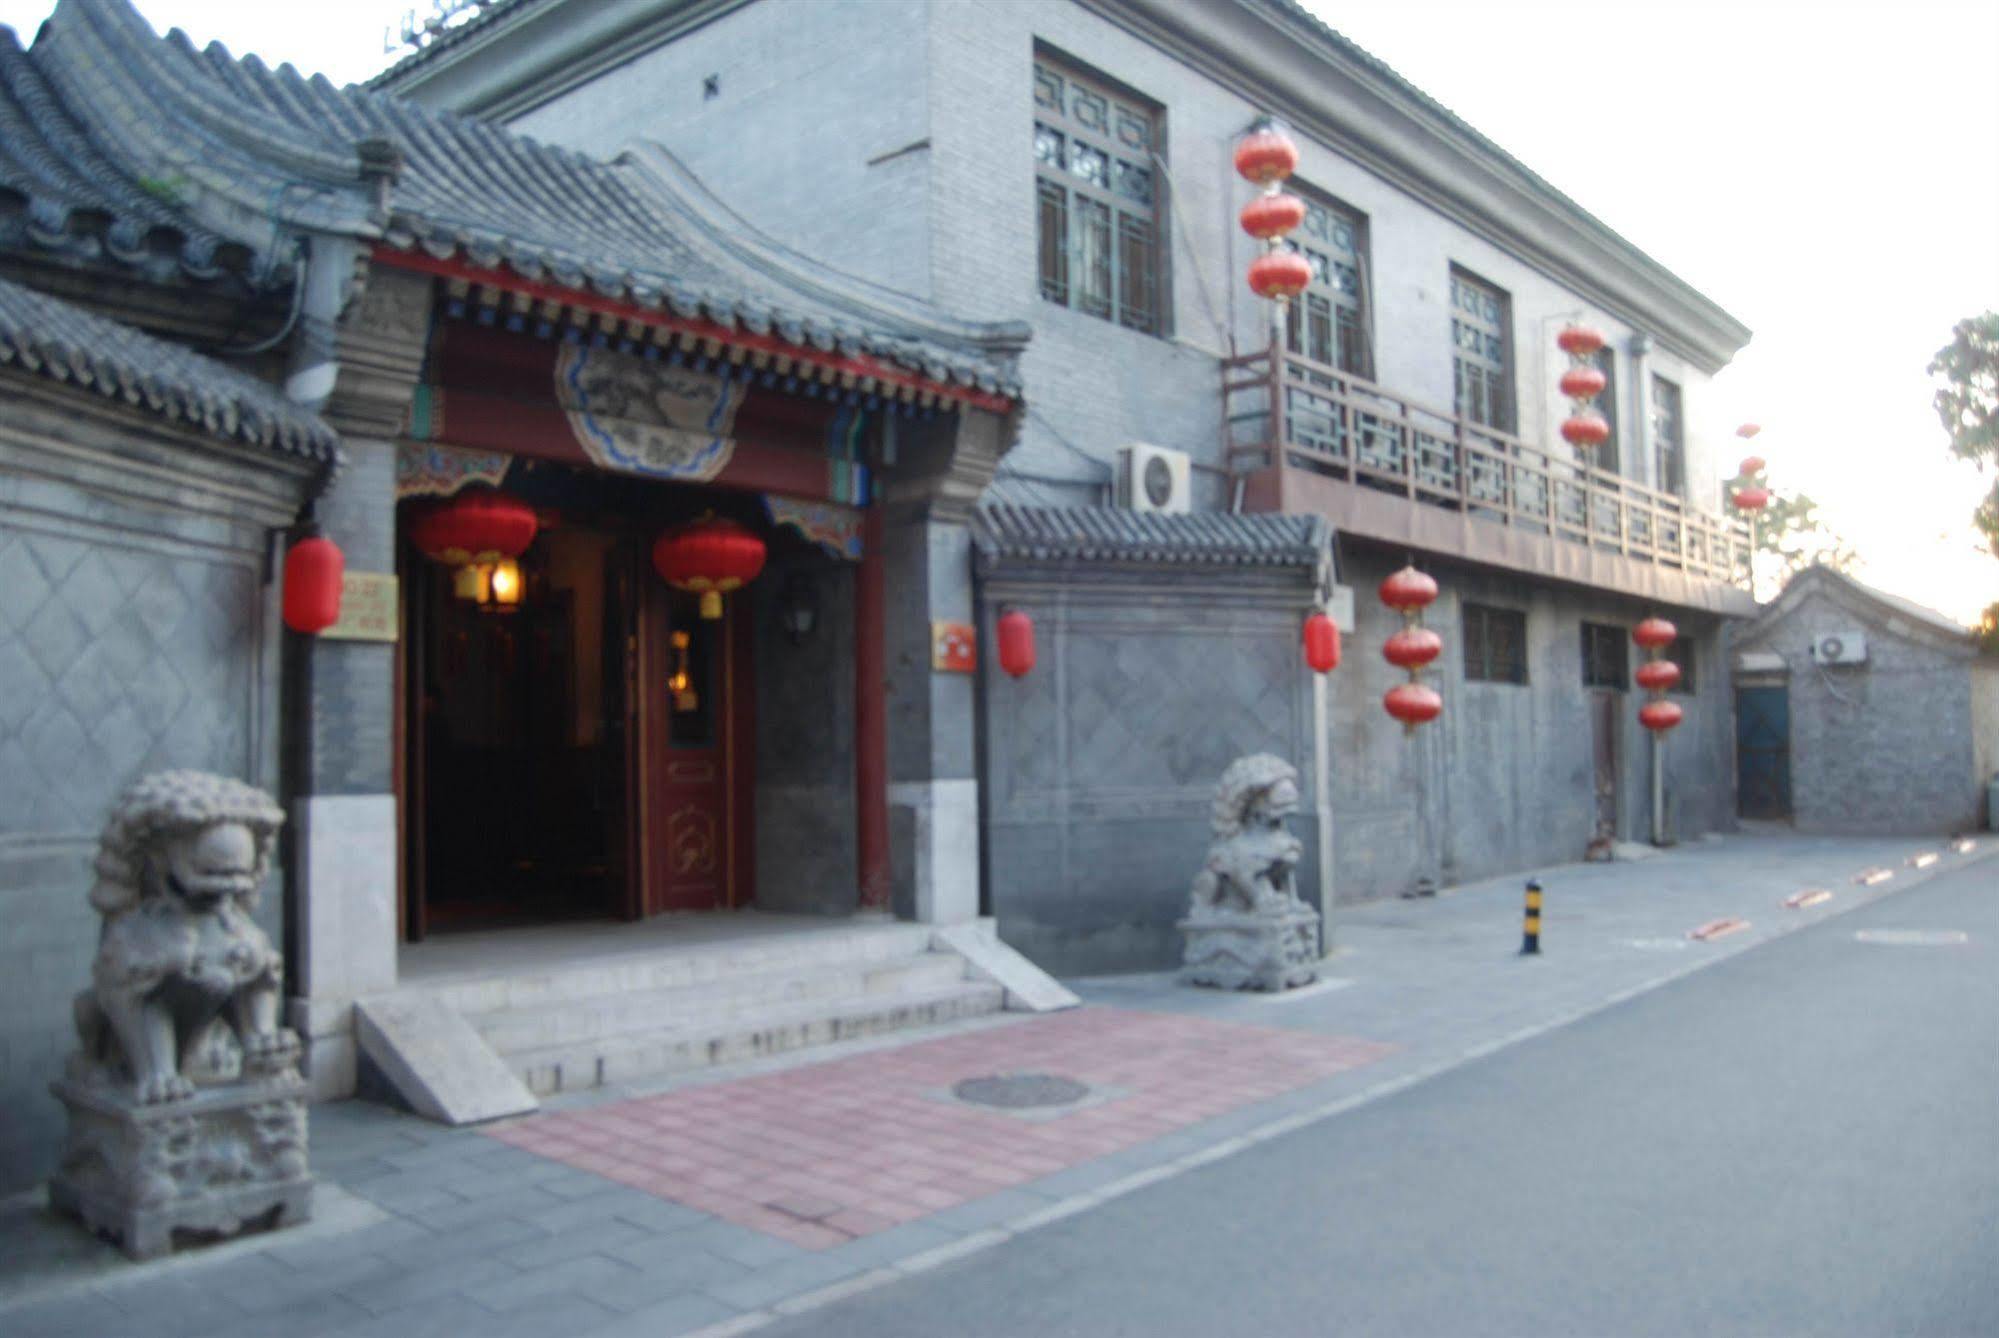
column 1481, row 351
column 1605, row 456
column 1328, row 321
column 1606, row 658
column 1097, row 196
column 1668, row 439
column 1495, row 644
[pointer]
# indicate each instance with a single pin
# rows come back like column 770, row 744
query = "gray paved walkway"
column 424, row 1230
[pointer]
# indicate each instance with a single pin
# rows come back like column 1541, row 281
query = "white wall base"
column 946, row 847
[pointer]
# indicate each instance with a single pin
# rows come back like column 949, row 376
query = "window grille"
column 1668, row 444
column 1606, row 658
column 1495, row 644
column 1604, row 457
column 1328, row 321
column 1481, row 356
column 1097, row 198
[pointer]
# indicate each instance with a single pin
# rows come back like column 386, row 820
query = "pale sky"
column 1828, row 172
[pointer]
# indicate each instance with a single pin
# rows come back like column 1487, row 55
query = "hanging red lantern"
column 1412, row 648
column 710, row 558
column 1586, row 429
column 1752, row 498
column 477, row 527
column 1408, row 589
column 1279, row 274
column 1266, row 154
column 1657, row 675
column 1660, row 716
column 1322, row 643
column 1413, row 704
column 1016, row 643
column 1583, row 383
column 1268, row 217
column 1654, row 633
column 1751, row 466
column 314, row 567
column 1579, row 340
column 1748, row 430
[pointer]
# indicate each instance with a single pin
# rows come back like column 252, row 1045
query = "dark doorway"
column 520, row 722
column 1603, row 717
column 1763, row 752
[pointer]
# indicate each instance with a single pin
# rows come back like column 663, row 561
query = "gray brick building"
column 1862, row 712
column 984, row 155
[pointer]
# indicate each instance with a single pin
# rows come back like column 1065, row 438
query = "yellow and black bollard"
column 1530, row 940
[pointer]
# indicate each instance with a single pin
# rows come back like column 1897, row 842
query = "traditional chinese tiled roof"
column 144, row 137
column 64, row 343
column 1006, row 532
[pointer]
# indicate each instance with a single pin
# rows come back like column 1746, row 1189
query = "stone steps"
column 714, row 1004
column 627, row 1057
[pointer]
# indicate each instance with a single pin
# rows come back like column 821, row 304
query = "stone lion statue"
column 182, row 971
column 1252, row 856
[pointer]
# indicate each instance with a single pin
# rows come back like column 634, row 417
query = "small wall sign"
column 367, row 608
column 954, row 648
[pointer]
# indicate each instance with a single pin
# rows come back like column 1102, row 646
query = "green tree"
column 1968, row 405
column 1790, row 530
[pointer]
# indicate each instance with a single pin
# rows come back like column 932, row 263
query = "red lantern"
column 1413, row 704
column 1747, row 430
column 1322, row 643
column 1408, row 589
column 1752, row 499
column 1583, row 382
column 1270, row 216
column 1660, row 716
column 1752, row 465
column 1579, row 340
column 1586, row 429
column 1412, row 647
column 1279, row 274
column 477, row 527
column 1657, row 675
column 313, row 570
column 1016, row 643
column 710, row 558
column 1654, row 633
column 1266, row 154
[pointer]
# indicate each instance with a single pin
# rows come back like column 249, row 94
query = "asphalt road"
column 1803, row 1139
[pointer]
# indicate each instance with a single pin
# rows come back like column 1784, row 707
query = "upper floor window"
column 1606, row 659
column 1097, row 197
column 1495, row 644
column 1668, row 443
column 1480, row 350
column 1328, row 321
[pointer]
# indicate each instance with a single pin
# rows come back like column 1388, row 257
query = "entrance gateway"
column 581, row 740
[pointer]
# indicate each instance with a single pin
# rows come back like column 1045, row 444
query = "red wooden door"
column 695, row 699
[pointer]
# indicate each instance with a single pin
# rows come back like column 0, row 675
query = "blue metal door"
column 1763, row 752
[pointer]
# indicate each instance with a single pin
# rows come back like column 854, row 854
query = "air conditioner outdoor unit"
column 1154, row 478
column 1839, row 648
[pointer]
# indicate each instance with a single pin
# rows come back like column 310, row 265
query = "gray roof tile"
column 64, row 343
column 1007, row 532
column 110, row 121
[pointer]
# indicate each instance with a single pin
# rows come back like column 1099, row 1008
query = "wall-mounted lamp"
column 798, row 607
column 505, row 583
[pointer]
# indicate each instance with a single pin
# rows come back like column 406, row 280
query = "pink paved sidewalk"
column 824, row 1153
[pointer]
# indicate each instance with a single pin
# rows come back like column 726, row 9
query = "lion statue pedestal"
column 1246, row 929
column 186, row 1108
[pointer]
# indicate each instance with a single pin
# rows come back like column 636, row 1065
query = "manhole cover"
column 1021, row 1091
column 1914, row 938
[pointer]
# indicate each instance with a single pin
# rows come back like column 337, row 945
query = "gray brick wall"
column 1886, row 746
column 136, row 634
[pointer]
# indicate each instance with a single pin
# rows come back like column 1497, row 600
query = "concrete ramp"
column 436, row 1062
column 1028, row 988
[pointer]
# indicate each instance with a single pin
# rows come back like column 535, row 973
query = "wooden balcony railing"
column 1339, row 426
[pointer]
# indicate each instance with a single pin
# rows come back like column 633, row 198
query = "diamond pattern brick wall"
column 120, row 653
